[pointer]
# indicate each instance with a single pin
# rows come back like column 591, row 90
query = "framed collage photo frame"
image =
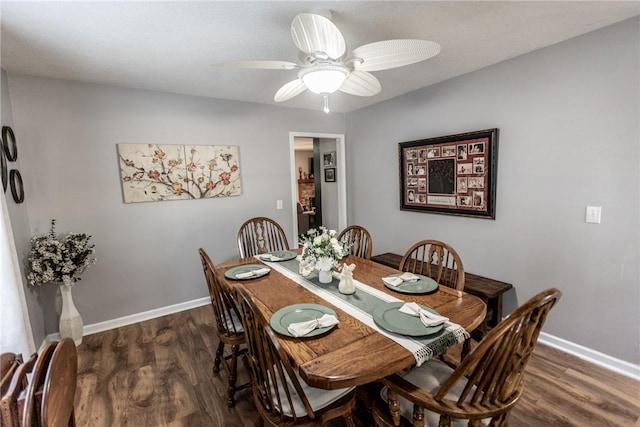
column 454, row 174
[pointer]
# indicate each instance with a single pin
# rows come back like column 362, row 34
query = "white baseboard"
column 587, row 354
column 133, row 318
column 592, row 356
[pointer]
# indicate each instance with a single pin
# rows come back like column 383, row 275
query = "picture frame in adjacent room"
column 329, row 159
column 453, row 174
column 330, row 175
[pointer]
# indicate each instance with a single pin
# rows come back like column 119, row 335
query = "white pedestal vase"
column 70, row 325
column 324, row 276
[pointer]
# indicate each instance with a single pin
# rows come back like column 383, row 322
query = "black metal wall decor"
column 9, row 154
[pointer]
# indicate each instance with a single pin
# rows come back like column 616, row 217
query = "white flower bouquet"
column 54, row 259
column 321, row 250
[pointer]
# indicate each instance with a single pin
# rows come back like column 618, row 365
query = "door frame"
column 341, row 178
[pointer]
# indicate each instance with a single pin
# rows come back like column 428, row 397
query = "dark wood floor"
column 159, row 373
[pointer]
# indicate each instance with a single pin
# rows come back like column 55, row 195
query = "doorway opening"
column 318, row 182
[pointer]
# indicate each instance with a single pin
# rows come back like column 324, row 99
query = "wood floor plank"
column 159, row 373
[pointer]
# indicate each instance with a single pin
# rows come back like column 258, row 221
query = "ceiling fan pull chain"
column 326, row 103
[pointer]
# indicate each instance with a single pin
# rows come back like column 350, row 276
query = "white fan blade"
column 393, row 53
column 361, row 83
column 314, row 33
column 289, row 90
column 261, row 64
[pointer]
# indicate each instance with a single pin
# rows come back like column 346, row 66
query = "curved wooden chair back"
column 228, row 327
column 491, row 377
column 31, row 412
column 359, row 239
column 260, row 235
column 437, row 260
column 226, row 313
column 14, row 382
column 279, row 395
column 59, row 387
column 9, row 363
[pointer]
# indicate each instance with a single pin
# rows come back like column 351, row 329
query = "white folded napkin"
column 300, row 329
column 252, row 273
column 426, row 317
column 270, row 257
column 398, row 280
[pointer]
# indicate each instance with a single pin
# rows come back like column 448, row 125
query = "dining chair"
column 260, row 235
column 229, row 328
column 58, row 388
column 280, row 395
column 9, row 363
column 359, row 240
column 485, row 385
column 437, row 260
column 30, row 403
column 14, row 381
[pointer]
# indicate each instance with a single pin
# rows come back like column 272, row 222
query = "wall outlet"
column 593, row 214
column 278, row 204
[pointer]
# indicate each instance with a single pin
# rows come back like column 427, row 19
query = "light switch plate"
column 278, row 204
column 593, row 214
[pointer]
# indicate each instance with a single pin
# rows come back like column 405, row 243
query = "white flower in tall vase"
column 61, row 261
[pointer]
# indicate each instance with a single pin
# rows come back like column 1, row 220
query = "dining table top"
column 352, row 353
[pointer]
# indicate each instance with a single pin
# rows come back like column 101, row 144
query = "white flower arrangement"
column 321, row 250
column 54, row 259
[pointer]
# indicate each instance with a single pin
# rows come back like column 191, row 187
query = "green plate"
column 421, row 286
column 245, row 268
column 389, row 317
column 282, row 318
column 283, row 255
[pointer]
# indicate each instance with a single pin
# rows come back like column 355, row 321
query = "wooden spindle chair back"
column 492, row 374
column 260, row 235
column 9, row 364
column 360, row 240
column 225, row 312
column 228, row 326
column 437, row 260
column 276, row 387
column 14, row 382
column 59, row 387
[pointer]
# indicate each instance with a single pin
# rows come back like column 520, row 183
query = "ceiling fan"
column 327, row 65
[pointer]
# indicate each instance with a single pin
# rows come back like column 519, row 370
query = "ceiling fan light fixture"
column 324, row 79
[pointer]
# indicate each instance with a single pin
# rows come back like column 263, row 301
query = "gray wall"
column 20, row 221
column 147, row 252
column 569, row 122
column 569, row 137
column 329, row 189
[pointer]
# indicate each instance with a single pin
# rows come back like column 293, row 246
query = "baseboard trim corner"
column 591, row 356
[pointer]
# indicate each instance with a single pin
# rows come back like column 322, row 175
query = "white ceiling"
column 172, row 46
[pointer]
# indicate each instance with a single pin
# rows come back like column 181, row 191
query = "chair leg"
column 349, row 420
column 394, row 406
column 233, row 375
column 218, row 360
column 445, row 421
column 418, row 415
column 499, row 421
column 466, row 348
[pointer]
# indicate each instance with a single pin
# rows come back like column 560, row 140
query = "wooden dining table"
column 352, row 353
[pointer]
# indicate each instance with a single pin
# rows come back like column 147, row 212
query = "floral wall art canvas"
column 153, row 173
